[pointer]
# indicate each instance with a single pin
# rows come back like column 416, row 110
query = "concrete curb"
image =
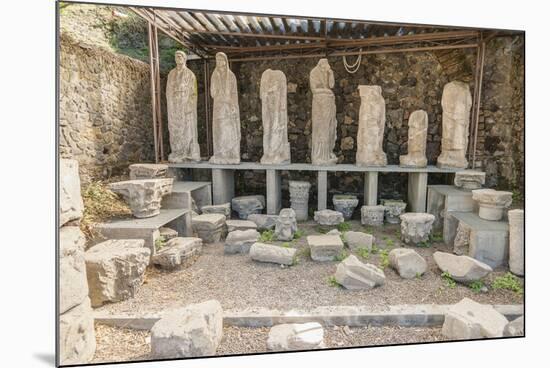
column 407, row 315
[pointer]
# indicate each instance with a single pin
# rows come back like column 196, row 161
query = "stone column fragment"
column 299, row 198
column 517, row 242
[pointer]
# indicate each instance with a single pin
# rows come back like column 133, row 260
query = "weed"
column 389, row 242
column 374, row 249
column 476, row 286
column 368, row 230
column 398, row 233
column 321, row 229
column 384, row 258
column 340, row 257
column 418, row 275
column 424, row 244
column 285, row 245
column 298, row 234
column 508, row 282
column 436, row 237
column 451, row 283
column 267, row 236
column 304, row 252
column 344, row 226
column 363, row 253
column 160, row 242
column 332, row 281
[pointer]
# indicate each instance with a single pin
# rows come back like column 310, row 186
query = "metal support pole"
column 158, row 94
column 479, row 91
column 153, row 92
column 207, row 108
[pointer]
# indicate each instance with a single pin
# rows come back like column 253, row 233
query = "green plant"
column 363, row 253
column 384, row 258
column 344, row 226
column 436, row 237
column 368, row 230
column 341, row 256
column 321, row 229
column 374, row 249
column 298, row 234
column 160, row 242
column 267, row 236
column 332, row 281
column 398, row 233
column 508, row 282
column 418, row 275
column 476, row 286
column 389, row 242
column 285, row 245
column 424, row 244
column 304, row 252
column 451, row 283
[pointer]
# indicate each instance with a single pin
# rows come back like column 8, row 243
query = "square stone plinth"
column 324, row 247
column 487, row 241
column 210, row 227
column 148, row 228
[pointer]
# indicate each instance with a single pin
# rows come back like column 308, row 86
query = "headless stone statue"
column 274, row 117
column 372, row 119
column 418, row 133
column 226, row 124
column 181, row 98
column 456, row 102
column 323, row 114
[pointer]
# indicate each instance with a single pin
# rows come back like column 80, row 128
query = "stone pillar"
column 322, row 188
column 273, row 189
column 371, row 188
column 517, row 242
column 299, row 198
column 417, row 191
column 223, row 185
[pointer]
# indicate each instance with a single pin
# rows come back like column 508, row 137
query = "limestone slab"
column 272, row 254
column 303, row 336
column 177, row 253
column 144, row 196
column 148, row 171
column 470, row 320
column 71, row 205
column 324, row 247
column 407, row 262
column 240, row 241
column 356, row 240
column 461, row 268
column 263, row 222
column 247, row 205
column 328, row 217
column 77, row 341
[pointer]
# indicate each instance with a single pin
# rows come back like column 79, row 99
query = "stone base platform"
column 148, row 228
column 443, row 200
column 487, row 240
column 185, row 192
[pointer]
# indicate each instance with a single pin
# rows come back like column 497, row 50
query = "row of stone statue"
column 181, row 95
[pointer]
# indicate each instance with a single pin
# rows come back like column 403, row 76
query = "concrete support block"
column 322, row 190
column 223, row 185
column 418, row 188
column 273, row 189
column 371, row 188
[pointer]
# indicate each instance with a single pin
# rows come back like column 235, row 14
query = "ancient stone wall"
column 104, row 109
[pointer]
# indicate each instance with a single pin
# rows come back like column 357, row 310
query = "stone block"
column 143, row 196
column 372, row 215
column 192, row 331
column 445, row 199
column 272, row 254
column 328, row 217
column 224, row 209
column 407, row 262
column 515, row 328
column 285, row 226
column 240, row 241
column 168, row 233
column 492, row 203
column 324, row 247
column 73, row 284
column 191, row 195
column 148, row 171
column 470, row 320
column 392, row 210
column 177, row 253
column 296, row 336
column 356, row 240
column 352, row 274
column 263, row 222
column 77, row 341
column 71, row 205
column 233, row 225
column 247, row 205
column 210, row 227
column 461, row 268
column 115, row 269
column 345, row 204
column 469, row 179
column 416, row 227
column 299, row 198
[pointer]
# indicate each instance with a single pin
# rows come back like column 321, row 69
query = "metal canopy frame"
column 255, row 37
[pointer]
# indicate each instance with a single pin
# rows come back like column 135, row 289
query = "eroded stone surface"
column 209, row 227
column 517, row 242
column 462, row 240
column 226, row 122
column 324, row 247
column 323, row 114
column 492, row 203
column 247, row 205
column 168, row 233
column 272, row 254
column 372, row 120
column 148, row 171
column 144, row 196
column 177, row 253
column 461, row 268
column 263, row 222
column 233, row 225
column 193, row 331
column 224, row 209
column 372, row 215
column 456, row 102
column 471, row 320
column 299, row 198
column 302, row 336
column 515, row 327
column 416, row 227
column 418, row 134
column 77, row 341
column 407, row 262
column 71, row 205
column 286, row 226
column 181, row 106
column 328, row 217
column 469, row 179
column 393, row 209
column 274, row 117
column 356, row 240
column 73, row 284
column 355, row 275
column 345, row 204
column 115, row 269
column 240, row 241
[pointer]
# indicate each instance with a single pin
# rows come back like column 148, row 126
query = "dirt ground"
column 119, row 344
column 238, row 282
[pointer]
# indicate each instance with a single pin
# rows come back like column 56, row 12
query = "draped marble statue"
column 456, row 103
column 418, row 134
column 181, row 98
column 226, row 123
column 323, row 114
column 274, row 117
column 372, row 119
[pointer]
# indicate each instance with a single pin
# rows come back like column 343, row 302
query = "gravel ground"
column 117, row 344
column 238, row 282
